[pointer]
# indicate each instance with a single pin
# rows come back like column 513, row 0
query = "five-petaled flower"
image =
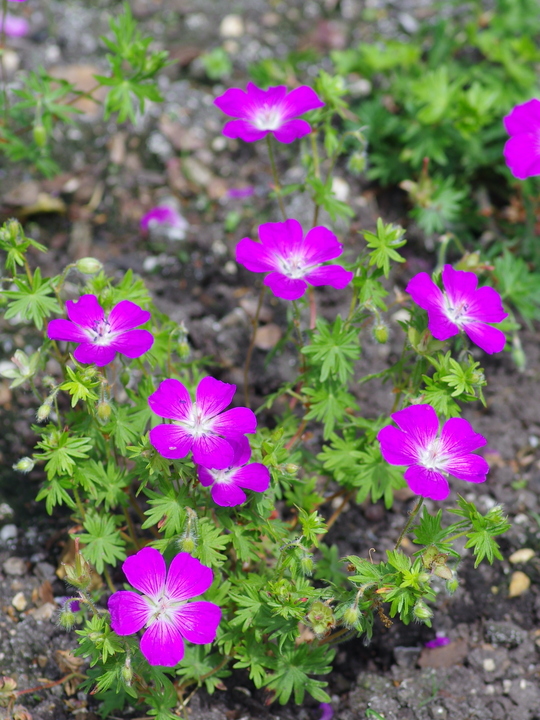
column 462, row 306
column 522, row 150
column 227, row 483
column 292, row 260
column 200, row 426
column 163, row 608
column 101, row 336
column 263, row 111
column 431, row 455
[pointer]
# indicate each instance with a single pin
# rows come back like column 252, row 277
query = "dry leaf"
column 267, row 336
column 519, row 583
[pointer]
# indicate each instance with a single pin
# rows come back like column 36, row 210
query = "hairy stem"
column 409, row 522
column 277, row 184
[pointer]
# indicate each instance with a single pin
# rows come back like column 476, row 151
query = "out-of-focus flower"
column 439, row 641
column 14, row 26
column 430, row 455
column 462, row 306
column 102, row 336
column 239, row 193
column 200, row 426
column 292, row 260
column 522, row 150
column 262, row 111
column 163, row 608
column 227, row 483
column 167, row 216
column 327, row 711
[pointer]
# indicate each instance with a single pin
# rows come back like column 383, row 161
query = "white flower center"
column 457, row 312
column 432, row 457
column 222, row 477
column 293, row 267
column 162, row 609
column 100, row 333
column 197, row 425
column 268, row 117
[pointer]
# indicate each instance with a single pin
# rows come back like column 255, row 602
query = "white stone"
column 19, row 602
column 489, row 664
column 341, row 189
column 8, row 532
column 232, row 26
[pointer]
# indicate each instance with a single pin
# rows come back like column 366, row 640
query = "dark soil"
column 491, row 670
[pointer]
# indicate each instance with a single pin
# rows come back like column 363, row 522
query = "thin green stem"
column 255, row 325
column 108, row 579
column 312, row 308
column 316, row 171
column 275, row 175
column 80, row 506
column 409, row 522
column 2, row 62
column 131, row 529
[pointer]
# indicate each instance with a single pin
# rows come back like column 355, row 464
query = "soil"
column 111, row 176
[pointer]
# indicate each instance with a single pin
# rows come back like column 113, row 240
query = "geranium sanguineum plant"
column 262, row 111
column 430, row 452
column 200, row 426
column 101, row 335
column 462, row 306
column 163, row 608
column 227, row 485
column 292, row 260
column 522, row 150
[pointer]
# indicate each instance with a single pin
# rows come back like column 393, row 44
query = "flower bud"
column 421, row 611
column 380, row 333
column 88, row 266
column 452, row 585
column 127, row 672
column 44, row 411
column 24, row 465
column 80, row 573
column 67, row 617
column 443, row 571
column 306, row 564
column 104, row 410
column 40, row 135
column 321, row 618
column 183, row 349
column 14, row 229
column 357, row 163
column 291, row 468
column 351, row 616
column 188, row 544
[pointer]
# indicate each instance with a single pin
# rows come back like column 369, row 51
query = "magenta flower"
column 165, row 215
column 102, row 336
column 14, row 26
column 431, row 455
column 462, row 306
column 292, row 260
column 263, row 111
column 163, row 607
column 200, row 426
column 439, row 641
column 522, row 150
column 239, row 193
column 327, row 711
column 227, row 483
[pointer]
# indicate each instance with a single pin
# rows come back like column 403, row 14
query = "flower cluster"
column 522, row 150
column 163, row 608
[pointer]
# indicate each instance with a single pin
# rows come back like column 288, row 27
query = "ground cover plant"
column 167, row 501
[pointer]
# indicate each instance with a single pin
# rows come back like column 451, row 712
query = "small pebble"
column 14, row 566
column 45, row 612
column 519, row 583
column 489, row 664
column 19, row 602
column 522, row 556
column 8, row 532
column 232, row 26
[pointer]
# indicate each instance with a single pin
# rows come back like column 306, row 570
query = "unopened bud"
column 188, row 544
column 351, row 616
column 44, row 411
column 104, row 410
column 24, row 465
column 127, row 672
column 14, row 229
column 423, row 577
column 443, row 571
column 183, row 349
column 88, row 265
column 291, row 468
column 40, row 135
column 67, row 617
column 421, row 611
column 321, row 617
column 306, row 564
column 452, row 585
column 357, row 163
column 80, row 573
column 380, row 333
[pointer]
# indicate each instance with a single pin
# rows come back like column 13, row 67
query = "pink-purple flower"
column 462, row 306
column 226, row 484
column 293, row 261
column 439, row 641
column 522, row 150
column 163, row 608
column 14, row 26
column 165, row 215
column 200, row 426
column 102, row 335
column 430, row 454
column 262, row 111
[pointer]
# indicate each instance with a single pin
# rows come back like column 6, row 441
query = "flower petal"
column 243, row 130
column 283, row 239
column 213, row 396
column 459, row 285
column 162, row 644
column 212, row 451
column 65, row 330
column 524, row 118
column 427, row 295
column 284, row 287
column 420, row 422
column 171, row 441
column 86, row 311
column 472, row 468
column 171, row 400
column 133, row 343
column 198, row 621
column 206, row 477
column 458, row 438
column 254, row 256
column 489, row 339
column 486, row 306
column 254, row 476
column 126, row 316
column 300, row 101
column 333, row 275
column 233, row 102
column 241, row 447
column 226, row 495
column 235, row 422
column 321, row 245
column 291, row 131
column 146, row 572
column 187, row 578
column 522, row 155
column 427, row 483
column 396, row 447
column 129, row 612
column 92, row 354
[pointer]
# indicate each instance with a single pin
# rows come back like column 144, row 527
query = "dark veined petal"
column 126, row 315
column 284, row 287
column 93, row 354
column 427, row 483
column 198, row 621
column 171, row 400
column 321, row 245
column 86, row 311
column 146, row 572
column 133, row 343
column 187, row 578
column 162, row 644
column 420, row 422
column 213, row 396
column 458, row 438
column 129, row 612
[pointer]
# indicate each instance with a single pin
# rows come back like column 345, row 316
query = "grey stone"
column 8, row 532
column 504, row 633
column 15, row 566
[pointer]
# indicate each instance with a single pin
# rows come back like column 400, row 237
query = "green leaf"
column 102, row 541
column 211, row 542
column 34, row 300
column 79, row 386
column 167, row 509
column 62, row 451
column 291, row 674
column 335, row 348
column 384, row 244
